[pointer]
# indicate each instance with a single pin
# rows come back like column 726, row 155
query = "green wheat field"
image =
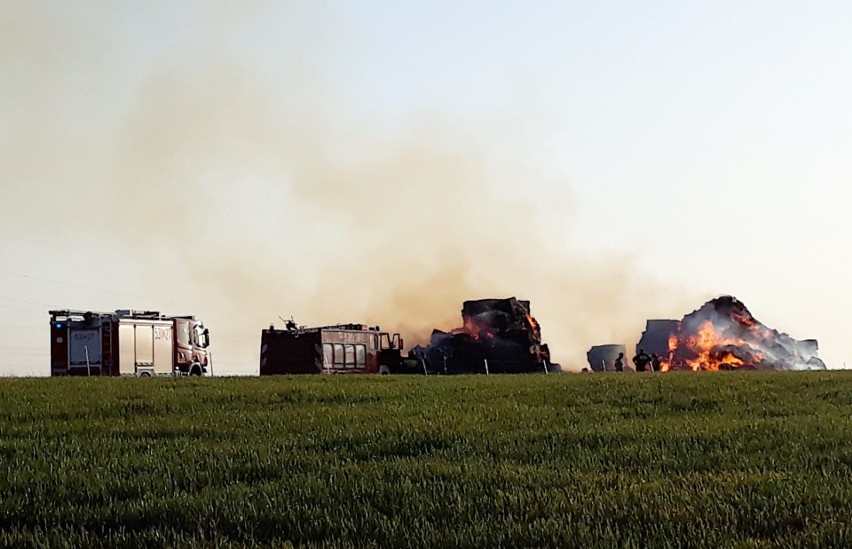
column 679, row 460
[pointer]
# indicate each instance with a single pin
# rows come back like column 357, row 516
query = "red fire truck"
column 341, row 349
column 127, row 343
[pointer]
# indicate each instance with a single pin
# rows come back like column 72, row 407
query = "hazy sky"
column 381, row 162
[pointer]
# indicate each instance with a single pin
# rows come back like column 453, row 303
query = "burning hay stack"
column 497, row 336
column 723, row 335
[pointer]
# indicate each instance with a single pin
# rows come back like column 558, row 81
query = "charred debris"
column 496, row 336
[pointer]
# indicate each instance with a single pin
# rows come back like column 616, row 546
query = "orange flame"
column 711, row 350
column 666, row 362
column 533, row 324
column 474, row 330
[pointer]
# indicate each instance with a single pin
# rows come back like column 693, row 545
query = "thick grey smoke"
column 254, row 188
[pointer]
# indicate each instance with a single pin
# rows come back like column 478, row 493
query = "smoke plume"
column 247, row 188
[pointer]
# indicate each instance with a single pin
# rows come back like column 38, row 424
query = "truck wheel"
column 145, row 374
column 195, row 370
column 384, row 370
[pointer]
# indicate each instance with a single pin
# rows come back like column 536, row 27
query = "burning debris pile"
column 497, row 336
column 723, row 335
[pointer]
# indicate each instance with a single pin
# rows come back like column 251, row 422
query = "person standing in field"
column 641, row 360
column 656, row 362
column 619, row 363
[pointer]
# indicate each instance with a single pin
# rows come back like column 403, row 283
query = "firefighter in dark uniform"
column 642, row 360
column 619, row 363
column 656, row 362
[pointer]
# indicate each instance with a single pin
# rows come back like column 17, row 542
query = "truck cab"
column 192, row 356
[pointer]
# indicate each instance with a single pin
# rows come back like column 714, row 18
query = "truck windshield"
column 183, row 333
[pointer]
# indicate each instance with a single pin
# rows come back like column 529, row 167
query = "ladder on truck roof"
column 131, row 313
column 106, row 346
column 70, row 314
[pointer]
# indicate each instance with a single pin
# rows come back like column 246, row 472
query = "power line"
column 82, row 286
column 91, row 288
column 20, row 308
column 29, row 243
column 25, row 301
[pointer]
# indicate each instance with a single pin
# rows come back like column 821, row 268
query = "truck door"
column 144, row 348
column 84, row 348
column 126, row 349
column 163, row 350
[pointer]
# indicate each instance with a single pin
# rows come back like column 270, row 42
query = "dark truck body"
column 127, row 343
column 339, row 349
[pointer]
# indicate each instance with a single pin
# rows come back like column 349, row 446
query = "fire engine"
column 127, row 343
column 337, row 349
